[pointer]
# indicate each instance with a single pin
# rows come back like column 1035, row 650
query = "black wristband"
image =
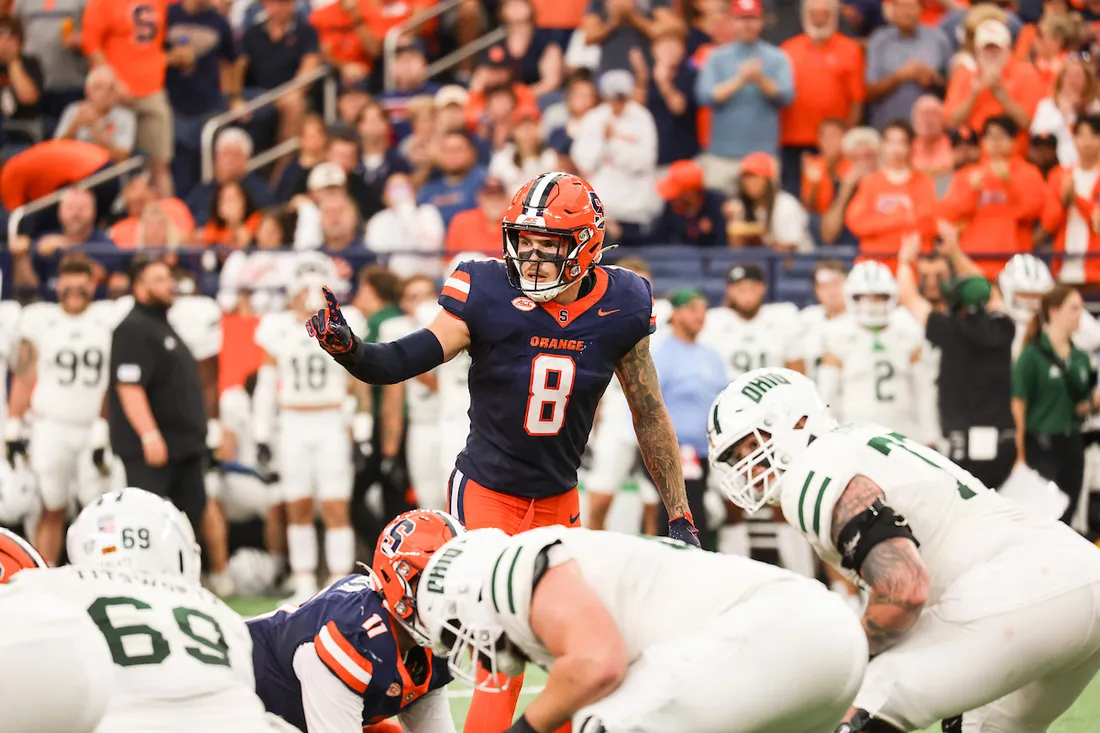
column 521, row 726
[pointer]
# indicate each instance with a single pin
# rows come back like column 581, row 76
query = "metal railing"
column 210, row 129
column 107, row 174
column 437, row 67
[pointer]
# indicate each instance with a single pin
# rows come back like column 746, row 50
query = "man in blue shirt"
column 691, row 376
column 746, row 83
column 458, row 178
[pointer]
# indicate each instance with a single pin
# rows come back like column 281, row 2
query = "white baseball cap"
column 992, row 33
column 326, row 175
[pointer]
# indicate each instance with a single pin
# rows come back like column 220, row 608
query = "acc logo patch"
column 523, row 304
column 393, row 690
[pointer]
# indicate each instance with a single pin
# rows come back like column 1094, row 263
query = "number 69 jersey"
column 182, row 659
column 73, row 358
column 538, row 371
column 957, row 521
column 307, row 376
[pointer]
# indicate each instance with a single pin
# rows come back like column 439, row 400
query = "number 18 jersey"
column 538, row 371
column 73, row 359
column 957, row 521
column 182, row 659
column 308, row 377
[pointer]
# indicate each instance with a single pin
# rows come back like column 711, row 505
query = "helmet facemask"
column 398, row 584
column 872, row 310
column 521, row 256
column 475, row 646
column 739, row 479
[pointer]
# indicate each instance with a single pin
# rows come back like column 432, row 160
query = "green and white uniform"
column 1013, row 606
column 179, row 660
column 769, row 339
column 715, row 643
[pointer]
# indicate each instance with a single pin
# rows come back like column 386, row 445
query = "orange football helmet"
column 17, row 554
column 559, row 205
column 404, row 548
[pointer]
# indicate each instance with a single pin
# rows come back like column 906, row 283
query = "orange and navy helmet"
column 558, row 205
column 404, row 548
column 17, row 554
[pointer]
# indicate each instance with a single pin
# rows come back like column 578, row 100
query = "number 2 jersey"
column 538, row 371
column 354, row 647
column 182, row 658
column 73, row 359
column 958, row 522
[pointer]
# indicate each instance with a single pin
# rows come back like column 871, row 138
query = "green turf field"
column 1084, row 717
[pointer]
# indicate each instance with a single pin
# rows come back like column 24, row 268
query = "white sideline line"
column 463, row 694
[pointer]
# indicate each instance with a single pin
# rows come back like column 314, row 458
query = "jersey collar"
column 566, row 314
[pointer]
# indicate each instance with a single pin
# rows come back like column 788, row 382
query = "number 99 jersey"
column 308, row 377
column 182, row 660
column 538, row 371
column 73, row 359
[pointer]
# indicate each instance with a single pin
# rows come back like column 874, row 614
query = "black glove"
column 395, row 476
column 15, row 448
column 263, row 457
column 330, row 329
column 683, row 528
column 522, row 726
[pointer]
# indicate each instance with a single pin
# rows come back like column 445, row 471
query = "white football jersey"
column 422, row 403
column 308, row 377
column 235, row 409
column 74, row 354
column 768, row 340
column 877, row 372
column 182, row 658
column 809, row 347
column 694, row 586
column 454, row 376
column 9, row 345
column 957, row 521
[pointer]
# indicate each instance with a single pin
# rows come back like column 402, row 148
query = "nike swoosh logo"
column 573, row 518
column 601, row 312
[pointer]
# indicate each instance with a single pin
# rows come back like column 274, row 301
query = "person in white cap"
column 326, row 180
column 616, row 150
column 999, row 85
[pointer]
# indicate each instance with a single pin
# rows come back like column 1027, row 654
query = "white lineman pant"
column 787, row 659
column 452, row 439
column 57, row 669
column 1015, row 667
column 615, row 461
column 55, row 451
column 315, row 455
column 422, row 445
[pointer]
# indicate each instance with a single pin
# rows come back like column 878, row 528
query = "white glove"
column 362, row 433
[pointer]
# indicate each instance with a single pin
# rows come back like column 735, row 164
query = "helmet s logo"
column 523, row 304
column 391, row 543
column 756, row 389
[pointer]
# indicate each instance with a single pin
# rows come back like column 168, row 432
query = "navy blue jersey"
column 353, row 635
column 538, row 371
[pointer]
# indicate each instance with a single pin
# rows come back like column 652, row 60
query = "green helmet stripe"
column 493, row 582
column 511, row 573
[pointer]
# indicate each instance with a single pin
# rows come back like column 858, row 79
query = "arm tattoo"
column 893, row 570
column 24, row 358
column 653, row 426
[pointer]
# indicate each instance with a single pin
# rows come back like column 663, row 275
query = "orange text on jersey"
column 542, row 342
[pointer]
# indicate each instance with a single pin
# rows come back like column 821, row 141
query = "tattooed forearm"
column 24, row 359
column 893, row 570
column 653, row 427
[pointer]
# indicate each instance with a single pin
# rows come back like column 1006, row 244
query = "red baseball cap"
column 745, row 8
column 684, row 176
column 759, row 164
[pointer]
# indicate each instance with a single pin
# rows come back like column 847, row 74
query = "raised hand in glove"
column 683, row 528
column 331, row 329
column 15, row 440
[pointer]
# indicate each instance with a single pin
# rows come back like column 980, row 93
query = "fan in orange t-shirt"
column 478, row 230
column 893, row 201
column 996, row 201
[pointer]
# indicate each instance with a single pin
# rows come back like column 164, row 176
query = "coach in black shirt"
column 974, row 337
column 155, row 405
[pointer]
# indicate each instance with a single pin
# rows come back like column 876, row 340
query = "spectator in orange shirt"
column 996, row 201
column 821, row 174
column 350, row 32
column 478, row 229
column 861, row 147
column 1072, row 211
column 1048, row 54
column 932, row 152
column 828, row 82
column 138, row 194
column 1075, row 94
column 130, row 39
column 893, row 201
column 494, row 71
column 234, row 217
column 999, row 86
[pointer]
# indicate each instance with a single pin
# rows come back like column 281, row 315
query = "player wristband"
column 521, row 726
column 395, row 361
column 150, row 437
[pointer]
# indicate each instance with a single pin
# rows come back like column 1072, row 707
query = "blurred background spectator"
column 100, row 119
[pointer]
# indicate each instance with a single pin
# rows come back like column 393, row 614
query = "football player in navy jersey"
column 546, row 328
column 351, row 656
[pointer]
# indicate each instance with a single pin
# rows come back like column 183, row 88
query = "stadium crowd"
column 800, row 136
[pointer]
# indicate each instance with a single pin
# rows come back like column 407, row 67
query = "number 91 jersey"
column 179, row 653
column 769, row 339
column 538, row 371
column 308, row 377
column 73, row 358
